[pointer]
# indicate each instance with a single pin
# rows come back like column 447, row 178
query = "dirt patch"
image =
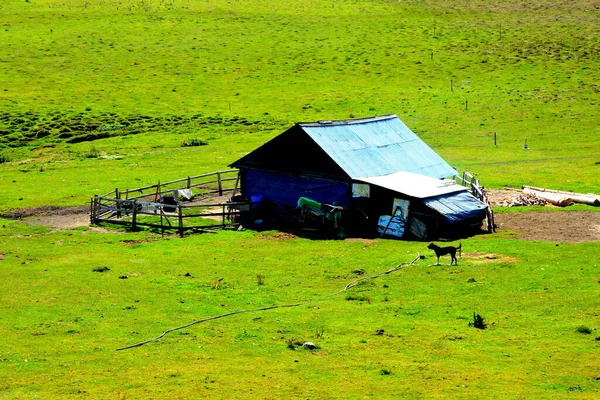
column 482, row 258
column 552, row 226
column 271, row 235
column 46, row 211
column 361, row 240
column 136, row 242
column 52, row 216
column 60, row 221
column 55, row 217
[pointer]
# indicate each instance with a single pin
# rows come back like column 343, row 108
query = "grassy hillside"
column 81, row 76
column 102, row 94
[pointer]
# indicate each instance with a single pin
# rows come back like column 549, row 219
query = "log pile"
column 561, row 198
column 533, row 196
column 521, row 199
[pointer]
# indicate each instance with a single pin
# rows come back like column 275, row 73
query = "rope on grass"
column 350, row 285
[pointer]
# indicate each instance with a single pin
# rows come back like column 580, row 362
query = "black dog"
column 442, row 251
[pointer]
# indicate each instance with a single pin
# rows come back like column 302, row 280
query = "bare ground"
column 551, row 226
column 53, row 216
column 548, row 226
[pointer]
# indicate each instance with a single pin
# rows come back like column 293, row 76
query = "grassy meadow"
column 98, row 94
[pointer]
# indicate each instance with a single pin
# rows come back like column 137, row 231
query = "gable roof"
column 358, row 148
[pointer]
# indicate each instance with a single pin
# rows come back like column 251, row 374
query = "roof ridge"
column 348, row 121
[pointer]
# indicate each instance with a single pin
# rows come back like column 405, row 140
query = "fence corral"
column 187, row 204
column 468, row 180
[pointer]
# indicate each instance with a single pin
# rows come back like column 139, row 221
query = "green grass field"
column 96, row 95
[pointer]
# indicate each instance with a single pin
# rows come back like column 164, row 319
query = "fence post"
column 134, row 216
column 162, row 227
column 117, row 202
column 220, row 183
column 157, row 194
column 237, row 182
column 180, row 216
column 93, row 209
column 189, row 182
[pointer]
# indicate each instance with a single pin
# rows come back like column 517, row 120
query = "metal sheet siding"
column 378, row 147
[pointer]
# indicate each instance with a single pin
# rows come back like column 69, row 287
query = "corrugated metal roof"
column 414, row 185
column 376, row 146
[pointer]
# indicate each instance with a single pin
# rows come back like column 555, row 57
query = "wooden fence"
column 468, row 180
column 181, row 205
column 206, row 185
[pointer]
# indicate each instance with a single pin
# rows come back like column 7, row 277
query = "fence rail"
column 205, row 185
column 469, row 180
column 171, row 206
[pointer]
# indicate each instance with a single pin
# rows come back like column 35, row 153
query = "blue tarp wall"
column 287, row 190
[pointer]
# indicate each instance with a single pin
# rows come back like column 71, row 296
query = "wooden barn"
column 361, row 177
